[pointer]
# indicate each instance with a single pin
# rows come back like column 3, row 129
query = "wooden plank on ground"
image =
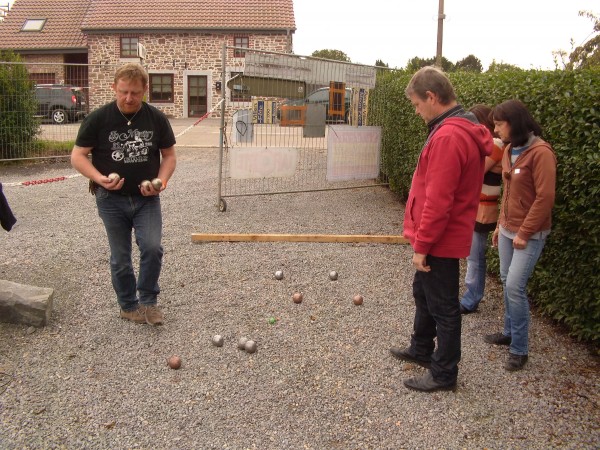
column 233, row 237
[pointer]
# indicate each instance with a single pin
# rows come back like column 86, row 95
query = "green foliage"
column 18, row 126
column 587, row 55
column 416, row 63
column 336, row 55
column 496, row 67
column 470, row 64
column 565, row 284
column 380, row 63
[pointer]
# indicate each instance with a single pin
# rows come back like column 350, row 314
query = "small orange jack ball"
column 357, row 300
column 297, row 297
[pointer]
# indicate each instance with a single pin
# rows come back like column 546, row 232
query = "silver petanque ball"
column 157, row 184
column 242, row 343
column 250, row 346
column 279, row 275
column 333, row 275
column 217, row 340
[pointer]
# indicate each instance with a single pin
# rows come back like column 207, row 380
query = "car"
column 60, row 103
column 321, row 97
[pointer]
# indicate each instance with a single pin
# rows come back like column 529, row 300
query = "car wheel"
column 59, row 116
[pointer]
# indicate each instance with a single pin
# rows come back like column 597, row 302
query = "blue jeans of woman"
column 121, row 214
column 437, row 315
column 476, row 271
column 516, row 266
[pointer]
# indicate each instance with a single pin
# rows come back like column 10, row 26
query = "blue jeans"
column 437, row 315
column 121, row 214
column 476, row 271
column 516, row 266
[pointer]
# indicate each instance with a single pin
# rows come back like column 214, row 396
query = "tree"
column 380, row 63
column 336, row 55
column 18, row 126
column 496, row 67
column 470, row 64
column 416, row 63
column 587, row 54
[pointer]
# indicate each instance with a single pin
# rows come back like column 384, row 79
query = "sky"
column 519, row 32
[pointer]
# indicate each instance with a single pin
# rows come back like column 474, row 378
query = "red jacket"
column 444, row 195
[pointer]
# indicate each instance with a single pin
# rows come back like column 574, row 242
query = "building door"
column 197, row 96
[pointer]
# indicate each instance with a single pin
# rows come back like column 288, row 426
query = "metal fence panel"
column 297, row 124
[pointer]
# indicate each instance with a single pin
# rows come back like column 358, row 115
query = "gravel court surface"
column 322, row 377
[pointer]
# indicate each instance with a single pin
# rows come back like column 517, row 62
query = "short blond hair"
column 132, row 71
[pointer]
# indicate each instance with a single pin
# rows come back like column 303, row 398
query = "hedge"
column 565, row 284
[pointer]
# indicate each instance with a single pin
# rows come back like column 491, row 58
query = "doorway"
column 197, row 95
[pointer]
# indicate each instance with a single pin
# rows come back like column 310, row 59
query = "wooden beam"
column 232, row 237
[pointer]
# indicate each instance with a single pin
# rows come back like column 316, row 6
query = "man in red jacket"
column 439, row 222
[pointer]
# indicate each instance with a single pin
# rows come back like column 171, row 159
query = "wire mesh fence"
column 297, row 124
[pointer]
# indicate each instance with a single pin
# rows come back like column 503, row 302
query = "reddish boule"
column 174, row 362
column 358, row 299
column 297, row 297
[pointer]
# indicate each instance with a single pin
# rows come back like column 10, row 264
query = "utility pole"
column 440, row 35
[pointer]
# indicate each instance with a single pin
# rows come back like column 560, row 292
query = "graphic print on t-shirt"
column 132, row 146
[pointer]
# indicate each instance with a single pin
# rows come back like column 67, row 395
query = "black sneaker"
column 497, row 339
column 515, row 362
column 405, row 355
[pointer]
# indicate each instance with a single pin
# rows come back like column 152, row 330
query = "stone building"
column 180, row 42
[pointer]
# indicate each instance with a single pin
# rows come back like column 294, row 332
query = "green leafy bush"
column 565, row 284
column 18, row 126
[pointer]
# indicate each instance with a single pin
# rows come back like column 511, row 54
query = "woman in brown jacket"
column 529, row 172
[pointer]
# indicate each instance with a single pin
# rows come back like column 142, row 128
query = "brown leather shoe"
column 427, row 383
column 497, row 339
column 515, row 362
column 154, row 315
column 137, row 315
column 405, row 355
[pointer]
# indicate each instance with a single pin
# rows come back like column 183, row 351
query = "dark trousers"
column 438, row 315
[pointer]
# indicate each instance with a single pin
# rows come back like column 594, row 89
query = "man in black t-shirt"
column 134, row 140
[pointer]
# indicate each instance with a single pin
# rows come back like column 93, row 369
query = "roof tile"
column 68, row 21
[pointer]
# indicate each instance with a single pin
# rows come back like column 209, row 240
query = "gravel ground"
column 322, row 377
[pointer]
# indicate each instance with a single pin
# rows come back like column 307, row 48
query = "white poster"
column 353, row 153
column 262, row 162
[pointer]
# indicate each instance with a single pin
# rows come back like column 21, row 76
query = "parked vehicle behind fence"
column 60, row 103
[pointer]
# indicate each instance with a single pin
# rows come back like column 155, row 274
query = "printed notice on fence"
column 260, row 162
column 353, row 153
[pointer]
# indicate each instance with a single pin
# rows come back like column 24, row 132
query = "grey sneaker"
column 154, row 315
column 137, row 315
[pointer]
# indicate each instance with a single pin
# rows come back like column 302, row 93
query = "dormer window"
column 33, row 25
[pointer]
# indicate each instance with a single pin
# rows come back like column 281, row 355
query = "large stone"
column 24, row 304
